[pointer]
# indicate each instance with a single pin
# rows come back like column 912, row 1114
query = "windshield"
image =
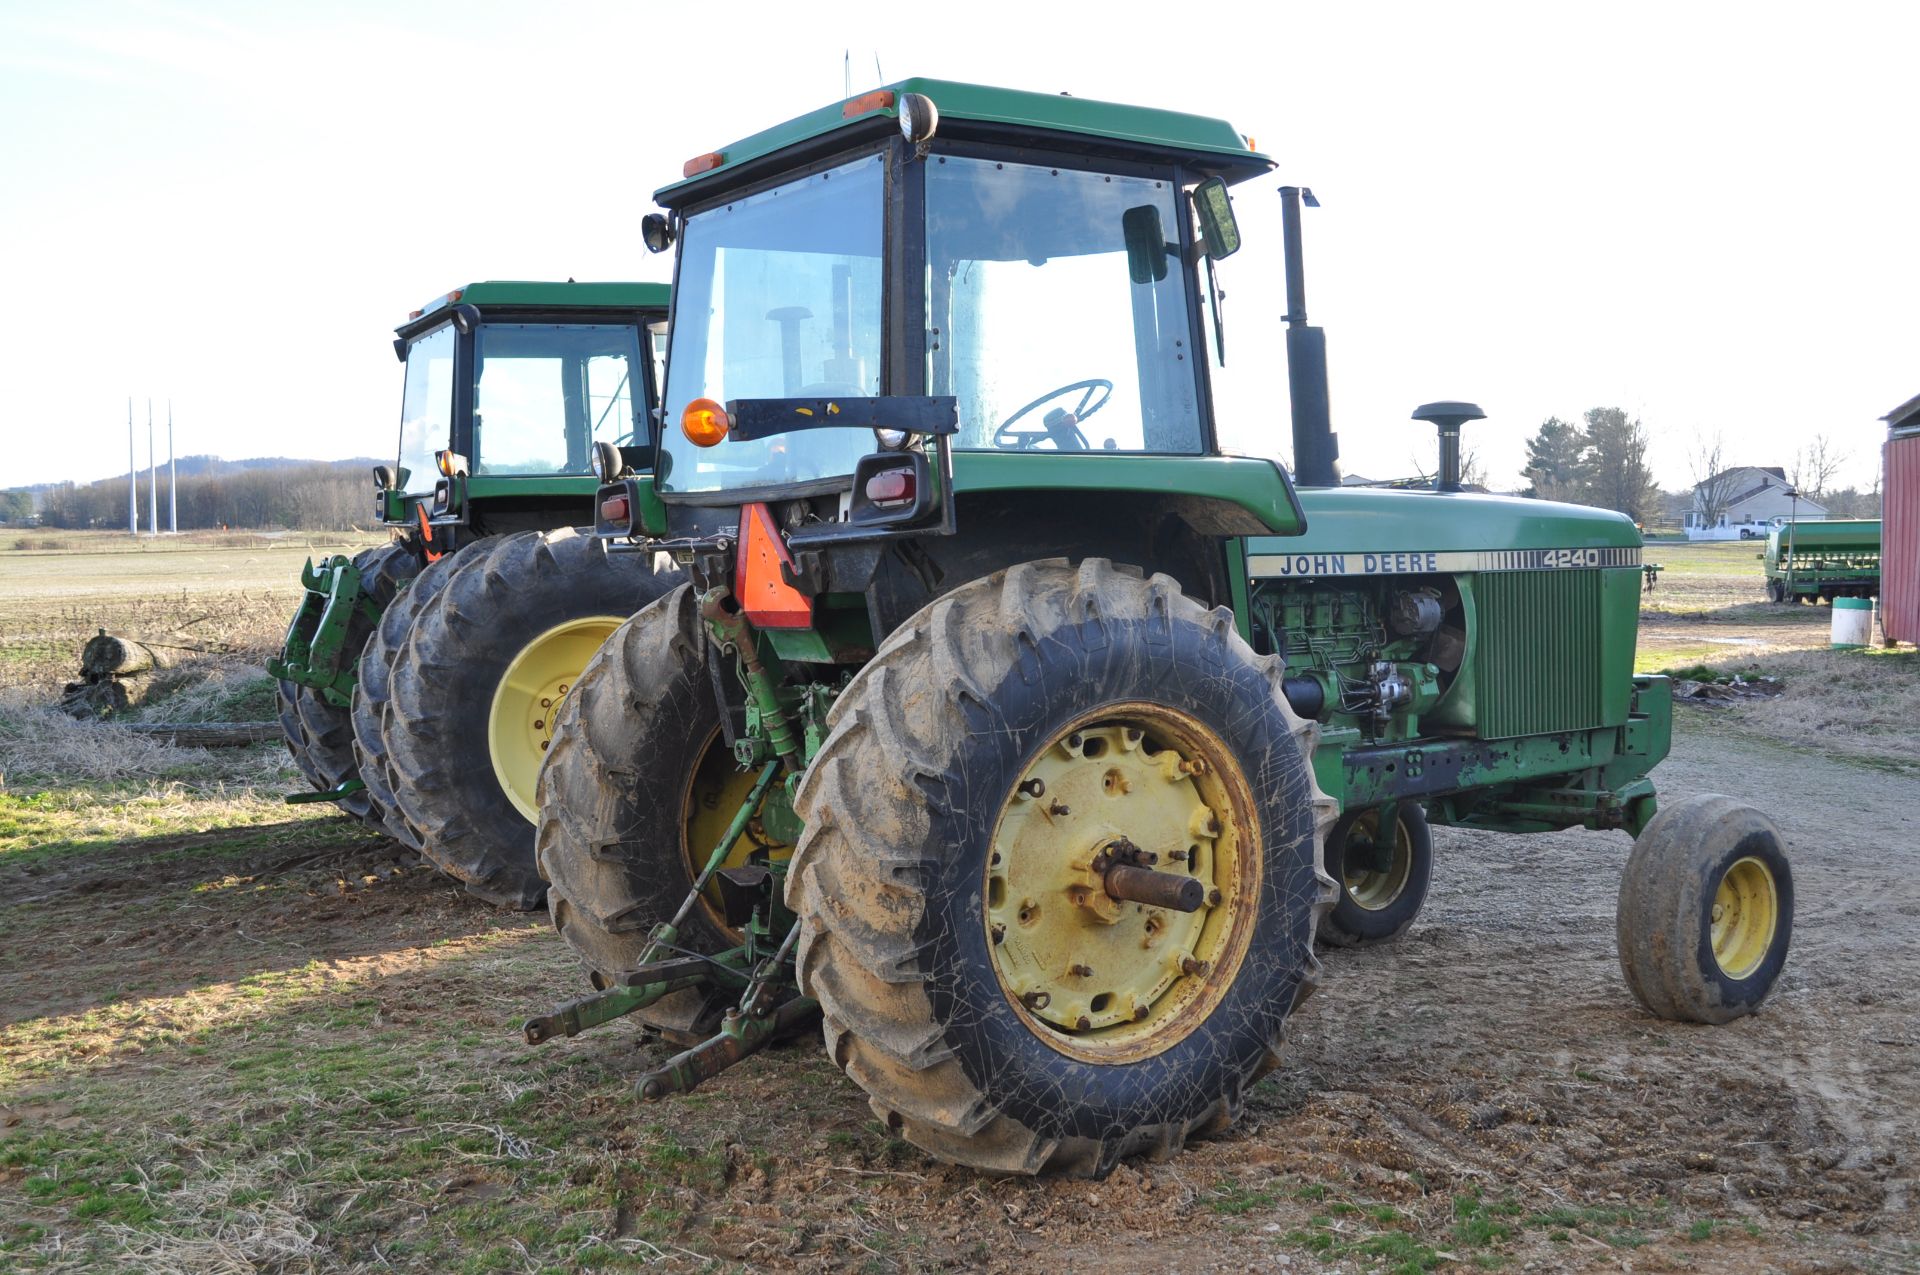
column 1038, row 320
column 426, row 406
column 778, row 296
column 545, row 393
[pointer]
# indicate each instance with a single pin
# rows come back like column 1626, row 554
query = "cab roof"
column 1210, row 145
column 533, row 294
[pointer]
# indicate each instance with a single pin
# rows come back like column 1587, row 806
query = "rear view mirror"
column 1146, row 244
column 1218, row 230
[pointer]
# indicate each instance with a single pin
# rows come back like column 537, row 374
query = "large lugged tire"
column 1002, row 1007
column 1706, row 910
column 1380, row 893
column 325, row 750
column 474, row 692
column 637, row 791
column 372, row 689
column 287, row 705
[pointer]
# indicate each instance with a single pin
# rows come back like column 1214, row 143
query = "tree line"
column 1601, row 460
column 300, row 496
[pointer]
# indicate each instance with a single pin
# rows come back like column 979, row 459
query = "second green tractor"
column 420, row 679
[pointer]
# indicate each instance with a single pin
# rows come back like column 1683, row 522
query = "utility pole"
column 133, row 478
column 173, row 480
column 153, row 479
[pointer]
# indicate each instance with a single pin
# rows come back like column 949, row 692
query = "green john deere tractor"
column 419, row 679
column 1008, row 724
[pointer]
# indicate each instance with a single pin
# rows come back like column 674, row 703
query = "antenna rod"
column 153, row 479
column 173, row 479
column 133, row 478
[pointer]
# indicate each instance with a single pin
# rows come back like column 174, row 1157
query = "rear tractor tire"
column 637, row 791
column 373, row 689
column 1706, row 911
column 997, row 783
column 1381, row 888
column 320, row 734
column 476, row 690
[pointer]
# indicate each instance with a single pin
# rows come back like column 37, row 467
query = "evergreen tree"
column 1557, row 463
column 1617, row 453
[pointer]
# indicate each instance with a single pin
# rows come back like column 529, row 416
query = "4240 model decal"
column 1392, row 562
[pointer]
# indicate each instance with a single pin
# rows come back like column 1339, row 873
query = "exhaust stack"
column 1316, row 449
column 1448, row 417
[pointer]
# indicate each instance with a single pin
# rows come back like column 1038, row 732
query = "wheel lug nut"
column 1074, row 741
column 1139, row 1012
column 1197, row 968
column 1213, row 897
column 540, row 725
column 1080, row 971
column 1082, row 1023
column 1059, row 808
column 546, row 703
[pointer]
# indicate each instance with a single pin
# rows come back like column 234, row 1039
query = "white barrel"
column 1852, row 623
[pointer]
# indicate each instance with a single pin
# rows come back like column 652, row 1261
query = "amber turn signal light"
column 878, row 100
column 704, row 422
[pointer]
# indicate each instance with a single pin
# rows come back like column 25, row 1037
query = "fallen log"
column 110, row 655
column 210, row 734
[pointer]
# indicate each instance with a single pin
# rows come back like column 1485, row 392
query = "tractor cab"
column 510, row 386
column 937, row 300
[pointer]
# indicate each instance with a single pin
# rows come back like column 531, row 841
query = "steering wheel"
column 1060, row 425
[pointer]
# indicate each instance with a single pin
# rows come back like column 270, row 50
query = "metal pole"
column 1793, row 525
column 173, row 479
column 1316, row 449
column 152, row 473
column 133, row 477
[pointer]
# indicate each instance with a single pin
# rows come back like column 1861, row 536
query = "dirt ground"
column 285, row 1046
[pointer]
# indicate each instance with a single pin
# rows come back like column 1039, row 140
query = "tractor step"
column 345, row 790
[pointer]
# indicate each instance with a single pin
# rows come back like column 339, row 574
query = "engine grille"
column 1538, row 663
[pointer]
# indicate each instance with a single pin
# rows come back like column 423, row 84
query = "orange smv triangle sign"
column 766, row 597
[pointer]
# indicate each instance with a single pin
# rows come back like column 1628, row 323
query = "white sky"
column 1704, row 213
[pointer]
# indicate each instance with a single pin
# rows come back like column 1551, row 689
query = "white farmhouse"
column 1751, row 499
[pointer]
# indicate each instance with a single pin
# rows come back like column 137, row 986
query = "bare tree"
column 1713, row 483
column 1815, row 465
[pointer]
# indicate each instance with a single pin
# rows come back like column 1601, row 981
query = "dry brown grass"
column 1860, row 705
column 220, row 593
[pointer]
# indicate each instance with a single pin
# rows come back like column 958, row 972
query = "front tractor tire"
column 1706, row 911
column 984, row 969
column 320, row 734
column 1382, row 887
column 477, row 687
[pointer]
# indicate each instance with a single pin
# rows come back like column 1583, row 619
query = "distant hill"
column 259, row 491
column 198, row 465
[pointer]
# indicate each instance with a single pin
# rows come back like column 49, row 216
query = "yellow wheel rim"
column 1370, row 888
column 1101, row 978
column 713, row 797
column 527, row 699
column 1746, row 915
